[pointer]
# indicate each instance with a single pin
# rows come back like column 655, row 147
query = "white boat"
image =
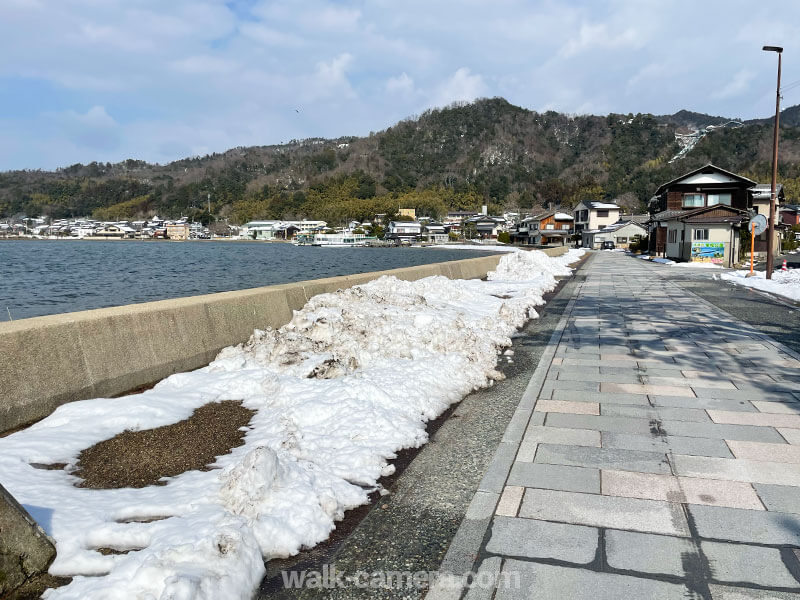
column 346, row 239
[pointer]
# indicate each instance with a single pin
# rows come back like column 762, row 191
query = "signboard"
column 713, row 252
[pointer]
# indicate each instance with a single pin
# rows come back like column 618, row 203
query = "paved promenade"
column 654, row 454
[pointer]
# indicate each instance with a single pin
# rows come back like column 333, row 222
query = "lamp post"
column 772, row 198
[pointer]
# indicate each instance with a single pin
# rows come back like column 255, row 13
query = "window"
column 549, row 226
column 602, row 212
column 700, row 234
column 565, row 226
column 672, row 236
column 719, row 199
column 622, row 240
column 693, row 200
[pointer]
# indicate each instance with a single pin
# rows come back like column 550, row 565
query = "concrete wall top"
column 47, row 361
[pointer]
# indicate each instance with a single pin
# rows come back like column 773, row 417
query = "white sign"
column 757, row 224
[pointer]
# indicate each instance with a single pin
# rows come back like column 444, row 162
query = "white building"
column 595, row 215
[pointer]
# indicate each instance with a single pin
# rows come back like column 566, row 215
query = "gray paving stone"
column 486, row 580
column 701, row 403
column 581, row 386
column 748, row 433
column 600, row 423
column 749, row 526
column 603, row 458
column 532, row 581
column 603, row 397
column 740, row 563
column 580, row 375
column 495, row 477
column 779, row 498
column 644, row 412
column 541, row 539
column 482, row 505
column 724, row 592
column 667, row 443
column 649, row 516
column 555, row 477
column 647, row 553
column 750, row 394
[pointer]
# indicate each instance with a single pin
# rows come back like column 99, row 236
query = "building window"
column 719, row 199
column 622, row 240
column 700, row 235
column 602, row 212
column 672, row 236
column 549, row 226
column 693, row 200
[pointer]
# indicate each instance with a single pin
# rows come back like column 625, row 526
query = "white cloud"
column 738, row 85
column 95, row 129
column 460, row 86
column 402, row 84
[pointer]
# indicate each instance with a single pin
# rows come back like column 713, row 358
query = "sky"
column 106, row 80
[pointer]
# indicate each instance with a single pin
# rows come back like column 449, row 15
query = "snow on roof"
column 560, row 215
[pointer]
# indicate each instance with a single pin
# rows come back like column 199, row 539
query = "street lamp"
column 772, row 198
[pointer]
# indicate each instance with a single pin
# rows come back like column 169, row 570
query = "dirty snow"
column 783, row 283
column 352, row 379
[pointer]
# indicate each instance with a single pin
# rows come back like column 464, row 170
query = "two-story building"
column 595, row 215
column 403, row 231
column 698, row 216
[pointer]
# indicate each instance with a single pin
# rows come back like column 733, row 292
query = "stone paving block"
column 755, row 419
column 565, row 406
column 604, row 511
column 573, row 396
column 690, row 490
column 752, row 394
column 724, row 432
column 701, row 403
column 632, row 388
column 650, row 372
column 581, row 386
column 510, row 501
column 600, row 423
column 647, row 553
column 618, row 357
column 495, row 477
column 724, row 592
column 548, row 582
column 785, row 453
column 541, row 539
column 779, row 498
column 719, row 383
column 790, row 435
column 644, row 412
column 603, row 458
column 482, row 505
column 750, row 471
column 579, row 375
column 483, row 584
column 516, row 427
column 558, row 435
column 786, row 408
column 748, row 526
column 667, row 443
column 527, row 450
column 555, row 477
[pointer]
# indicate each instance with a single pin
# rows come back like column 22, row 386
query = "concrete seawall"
column 48, row 361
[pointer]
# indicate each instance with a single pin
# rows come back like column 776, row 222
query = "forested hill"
column 458, row 157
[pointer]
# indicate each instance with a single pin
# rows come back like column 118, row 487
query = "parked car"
column 608, row 245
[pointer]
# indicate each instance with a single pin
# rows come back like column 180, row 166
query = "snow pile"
column 352, row 379
column 698, row 265
column 663, row 261
column 783, row 283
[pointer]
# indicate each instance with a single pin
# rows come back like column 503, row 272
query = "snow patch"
column 783, row 283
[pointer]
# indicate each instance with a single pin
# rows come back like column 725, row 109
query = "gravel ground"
column 777, row 317
column 411, row 528
column 141, row 458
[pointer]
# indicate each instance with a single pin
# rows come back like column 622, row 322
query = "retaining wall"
column 47, row 361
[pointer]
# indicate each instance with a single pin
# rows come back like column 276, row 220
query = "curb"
column 459, row 561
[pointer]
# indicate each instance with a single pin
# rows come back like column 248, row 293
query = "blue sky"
column 105, row 80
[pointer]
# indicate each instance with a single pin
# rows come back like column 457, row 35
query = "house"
column 115, row 231
column 621, row 233
column 703, row 209
column 485, row 227
column 595, row 215
column 546, row 229
column 403, row 231
column 178, row 231
column 790, row 214
column 435, row 232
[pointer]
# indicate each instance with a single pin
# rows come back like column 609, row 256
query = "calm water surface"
column 44, row 277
